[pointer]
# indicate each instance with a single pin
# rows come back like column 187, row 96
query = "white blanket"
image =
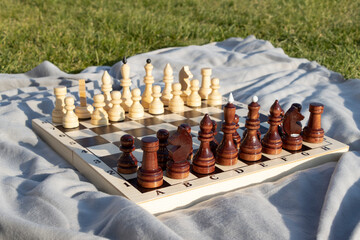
column 44, row 197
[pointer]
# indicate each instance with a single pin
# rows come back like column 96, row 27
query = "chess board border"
column 183, row 192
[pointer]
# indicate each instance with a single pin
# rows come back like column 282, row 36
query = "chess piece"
column 214, row 143
column 156, row 106
column 136, row 110
column 272, row 143
column 99, row 115
column 214, row 98
column 187, row 127
column 176, row 103
column 313, row 132
column 116, row 112
column 180, row 145
column 148, row 80
column 168, row 80
column 184, row 79
column 194, row 99
column 127, row 162
column 106, row 88
column 292, row 139
column 84, row 110
column 204, row 161
column 250, row 147
column 163, row 153
column 70, row 120
column 126, row 83
column 59, row 110
column 205, row 89
column 150, row 175
column 226, row 153
column 236, row 136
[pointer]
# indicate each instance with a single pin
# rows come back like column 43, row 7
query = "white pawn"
column 176, row 103
column 106, row 87
column 215, row 97
column 194, row 99
column 59, row 110
column 136, row 110
column 168, row 80
column 116, row 112
column 156, row 106
column 99, row 115
column 70, row 120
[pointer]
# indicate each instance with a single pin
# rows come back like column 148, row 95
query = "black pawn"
column 163, row 153
column 127, row 163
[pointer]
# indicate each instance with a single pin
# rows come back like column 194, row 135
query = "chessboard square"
column 133, row 181
column 105, row 129
column 152, row 135
column 191, row 123
column 172, row 181
column 167, row 126
column 211, row 110
column 219, row 137
column 146, row 115
column 263, row 129
column 150, row 121
column 191, row 114
column 263, row 117
column 114, row 136
column 195, row 130
column 242, row 112
column 140, row 132
column 87, row 124
column 265, row 124
column 111, row 160
column 128, row 125
column 104, row 149
column 127, row 176
column 171, row 117
column 218, row 117
column 66, row 130
column 196, row 142
column 91, row 141
column 85, row 133
column 138, row 153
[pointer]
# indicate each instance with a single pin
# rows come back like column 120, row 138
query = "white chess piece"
column 106, row 88
column 126, row 83
column 116, row 112
column 70, row 120
column 176, row 103
column 84, row 110
column 205, row 89
column 156, row 106
column 59, row 110
column 184, row 79
column 99, row 115
column 168, row 80
column 194, row 99
column 136, row 110
column 148, row 80
column 215, row 97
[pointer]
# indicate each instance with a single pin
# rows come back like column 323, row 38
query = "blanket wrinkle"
column 44, row 197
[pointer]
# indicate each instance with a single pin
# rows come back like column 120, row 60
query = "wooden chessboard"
column 94, row 151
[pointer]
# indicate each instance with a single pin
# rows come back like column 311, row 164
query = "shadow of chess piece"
column 204, row 161
column 150, row 175
column 214, row 143
column 180, row 147
column 127, row 163
column 292, row 139
column 250, row 148
column 313, row 132
column 272, row 143
column 163, row 153
column 226, row 153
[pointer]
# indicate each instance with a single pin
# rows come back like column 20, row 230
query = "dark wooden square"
column 140, row 132
column 105, row 129
column 150, row 121
column 62, row 129
column 91, row 141
column 187, row 121
column 191, row 114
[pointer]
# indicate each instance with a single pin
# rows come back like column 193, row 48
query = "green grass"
column 76, row 34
